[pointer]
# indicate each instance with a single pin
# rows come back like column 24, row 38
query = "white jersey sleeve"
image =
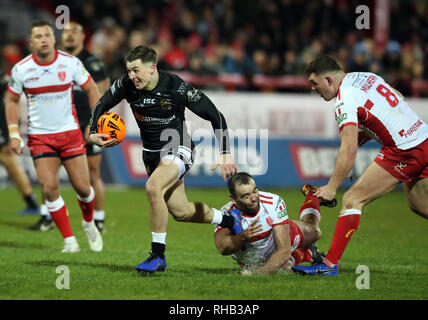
column 280, row 214
column 16, row 84
column 346, row 110
column 81, row 76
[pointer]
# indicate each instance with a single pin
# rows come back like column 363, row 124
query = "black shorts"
column 92, row 149
column 182, row 156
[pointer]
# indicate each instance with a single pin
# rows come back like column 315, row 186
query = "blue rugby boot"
column 317, row 270
column 152, row 264
column 237, row 225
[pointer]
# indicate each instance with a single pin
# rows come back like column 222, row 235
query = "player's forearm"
column 230, row 244
column 93, row 93
column 344, row 163
column 276, row 262
column 205, row 109
column 106, row 102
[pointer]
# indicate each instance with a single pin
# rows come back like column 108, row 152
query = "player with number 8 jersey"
column 367, row 101
column 369, row 108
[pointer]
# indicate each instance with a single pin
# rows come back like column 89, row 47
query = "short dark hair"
column 323, row 64
column 238, row 178
column 39, row 23
column 145, row 54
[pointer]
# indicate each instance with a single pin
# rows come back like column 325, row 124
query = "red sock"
column 310, row 206
column 87, row 206
column 59, row 214
column 346, row 226
column 301, row 255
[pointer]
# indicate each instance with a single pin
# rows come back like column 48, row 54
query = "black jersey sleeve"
column 197, row 102
column 96, row 69
column 111, row 98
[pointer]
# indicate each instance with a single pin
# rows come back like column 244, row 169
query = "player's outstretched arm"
column 344, row 163
column 202, row 106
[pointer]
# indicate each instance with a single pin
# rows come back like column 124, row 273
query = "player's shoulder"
column 171, row 81
column 122, row 84
column 90, row 61
column 23, row 63
column 65, row 55
column 269, row 198
column 351, row 86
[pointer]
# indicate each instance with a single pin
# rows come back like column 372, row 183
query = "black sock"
column 227, row 221
column 159, row 249
column 30, row 200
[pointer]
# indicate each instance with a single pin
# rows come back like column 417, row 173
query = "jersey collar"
column 45, row 64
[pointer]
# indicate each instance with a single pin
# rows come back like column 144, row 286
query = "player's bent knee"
column 180, row 216
column 351, row 201
column 423, row 212
column 153, row 190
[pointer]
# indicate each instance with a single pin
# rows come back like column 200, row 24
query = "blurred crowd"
column 270, row 37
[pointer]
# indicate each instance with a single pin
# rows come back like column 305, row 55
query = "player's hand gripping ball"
column 112, row 124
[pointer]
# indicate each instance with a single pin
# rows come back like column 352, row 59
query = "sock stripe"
column 310, row 211
column 348, row 212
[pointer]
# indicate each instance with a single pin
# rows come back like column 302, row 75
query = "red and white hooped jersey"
column 272, row 212
column 49, row 91
column 367, row 101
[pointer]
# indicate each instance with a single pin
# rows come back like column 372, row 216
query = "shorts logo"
column 400, row 166
column 61, row 75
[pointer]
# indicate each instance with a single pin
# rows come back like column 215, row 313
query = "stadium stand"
column 229, row 45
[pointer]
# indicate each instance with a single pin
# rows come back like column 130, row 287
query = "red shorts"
column 65, row 145
column 296, row 235
column 405, row 165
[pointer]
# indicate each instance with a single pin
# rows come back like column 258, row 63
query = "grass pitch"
column 391, row 241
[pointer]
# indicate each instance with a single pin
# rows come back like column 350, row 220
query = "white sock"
column 71, row 239
column 55, row 205
column 99, row 214
column 159, row 237
column 217, row 217
column 89, row 198
column 45, row 212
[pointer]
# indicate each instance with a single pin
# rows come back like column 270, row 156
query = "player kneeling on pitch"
column 267, row 240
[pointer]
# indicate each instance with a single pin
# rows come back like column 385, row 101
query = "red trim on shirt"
column 48, row 89
column 282, row 222
column 24, row 61
column 65, row 54
column 260, row 195
column 86, row 82
column 13, row 92
column 261, row 236
column 348, row 124
column 267, row 202
column 338, row 89
column 45, row 64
